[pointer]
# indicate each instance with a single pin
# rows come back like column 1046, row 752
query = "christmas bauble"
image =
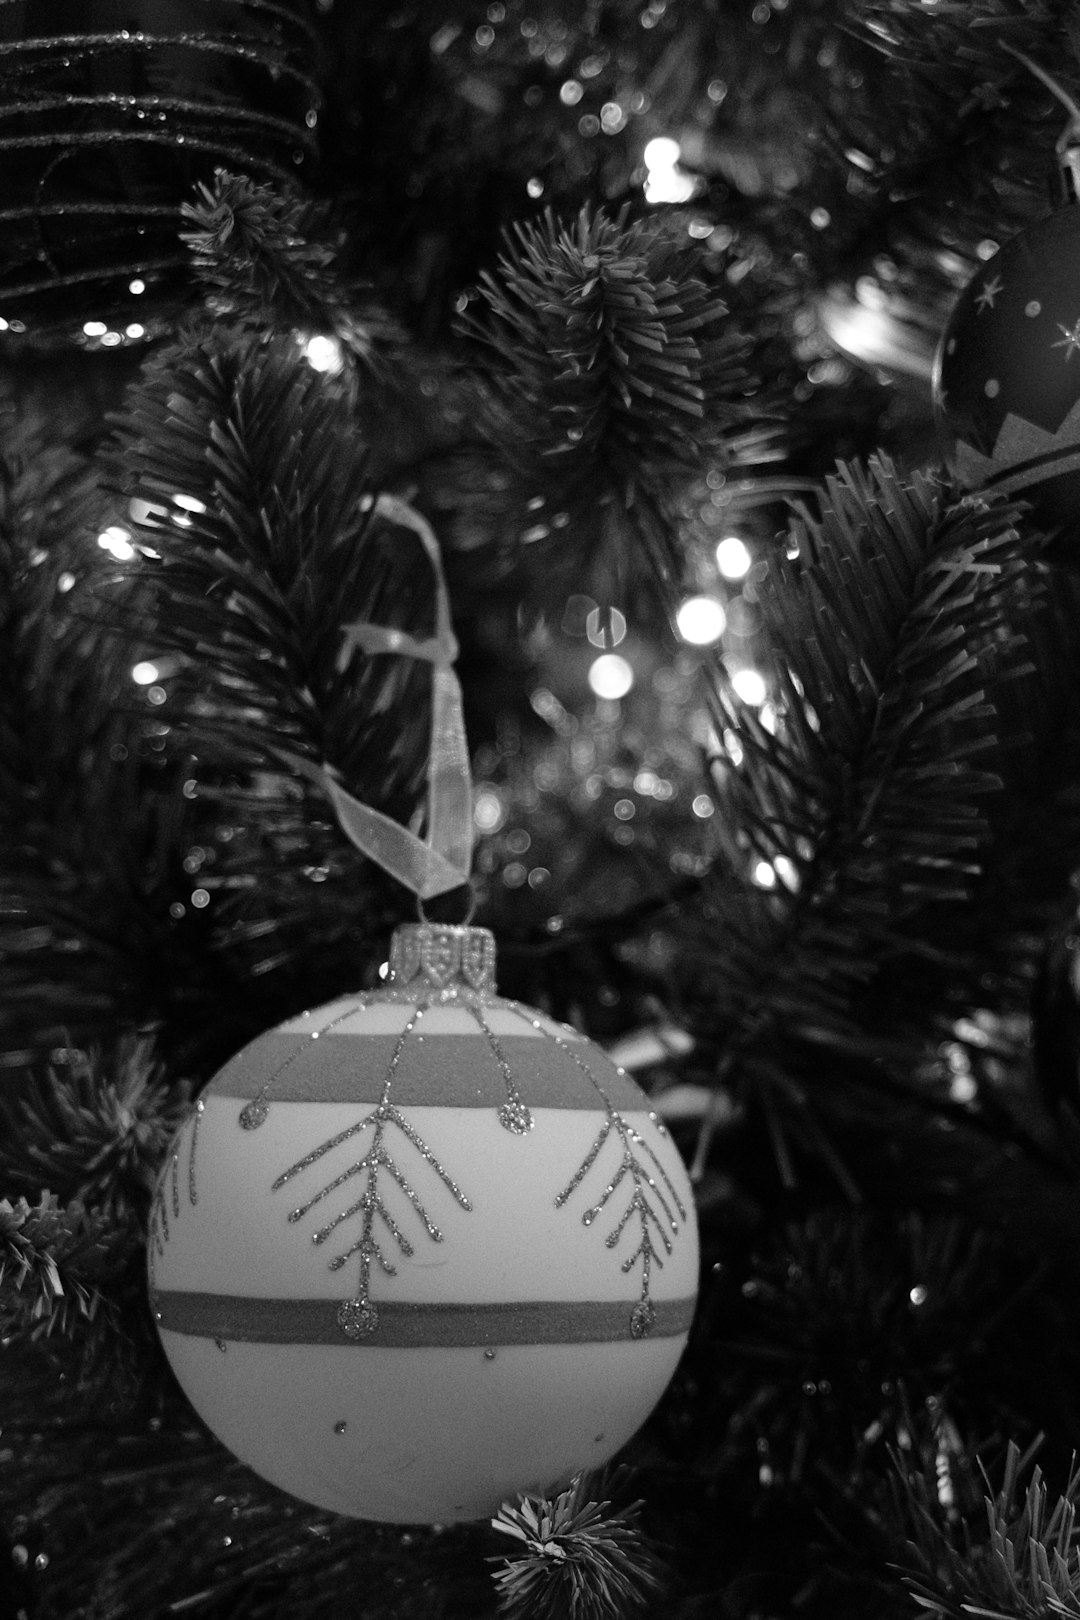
column 1007, row 373
column 423, row 1248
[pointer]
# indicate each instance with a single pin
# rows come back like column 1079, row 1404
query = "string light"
column 323, row 353
column 733, row 557
column 117, row 542
column 750, row 686
column 665, row 182
column 701, row 620
column 610, row 676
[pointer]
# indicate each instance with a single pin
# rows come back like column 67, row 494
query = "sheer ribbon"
column 442, row 859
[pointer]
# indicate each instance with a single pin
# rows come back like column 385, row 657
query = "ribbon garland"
column 442, row 859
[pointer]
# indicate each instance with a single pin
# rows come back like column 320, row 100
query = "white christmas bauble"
column 423, row 1248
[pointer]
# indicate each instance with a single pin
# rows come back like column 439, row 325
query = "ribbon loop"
column 442, row 859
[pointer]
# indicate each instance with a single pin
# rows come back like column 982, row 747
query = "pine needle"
column 614, row 369
column 95, row 1126
column 582, row 1559
column 267, row 259
column 55, row 1260
column 1025, row 1564
column 895, row 628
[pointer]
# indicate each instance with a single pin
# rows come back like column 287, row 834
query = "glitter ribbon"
column 442, row 860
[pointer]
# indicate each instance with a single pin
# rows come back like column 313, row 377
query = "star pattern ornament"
column 1006, row 393
column 987, row 293
column 1070, row 339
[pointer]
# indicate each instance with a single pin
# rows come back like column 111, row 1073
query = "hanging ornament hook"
column 1067, row 145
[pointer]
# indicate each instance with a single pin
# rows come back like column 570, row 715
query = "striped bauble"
column 423, row 1248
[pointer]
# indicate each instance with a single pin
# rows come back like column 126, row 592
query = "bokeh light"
column 610, row 676
column 117, row 542
column 701, row 620
column 665, row 182
column 733, row 557
column 750, row 686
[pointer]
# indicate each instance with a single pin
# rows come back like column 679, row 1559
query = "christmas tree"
column 689, row 388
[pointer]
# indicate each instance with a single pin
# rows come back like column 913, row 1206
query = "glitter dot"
column 642, row 1318
column 992, row 388
column 340, row 1426
column 253, row 1114
column 489, row 1355
column 357, row 1318
column 1034, row 308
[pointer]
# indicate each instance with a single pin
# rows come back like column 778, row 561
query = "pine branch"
column 55, row 1260
column 88, row 804
column 1025, row 1566
column 831, row 1332
column 96, row 1128
column 615, row 368
column 267, row 260
column 259, row 539
column 894, row 634
column 582, row 1560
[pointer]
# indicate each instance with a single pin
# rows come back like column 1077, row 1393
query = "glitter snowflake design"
column 374, row 1173
column 653, row 1210
column 378, row 1214
column 169, row 1195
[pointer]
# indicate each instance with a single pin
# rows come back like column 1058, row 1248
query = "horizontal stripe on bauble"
column 403, row 1325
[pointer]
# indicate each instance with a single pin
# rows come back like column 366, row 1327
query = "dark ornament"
column 1007, row 373
column 110, row 111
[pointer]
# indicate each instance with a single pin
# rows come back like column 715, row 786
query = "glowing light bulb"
column 95, row 328
column 701, row 620
column 750, row 686
column 665, row 182
column 610, row 676
column 733, row 557
column 145, row 673
column 661, row 153
column 323, row 353
column 786, row 871
column 117, row 542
